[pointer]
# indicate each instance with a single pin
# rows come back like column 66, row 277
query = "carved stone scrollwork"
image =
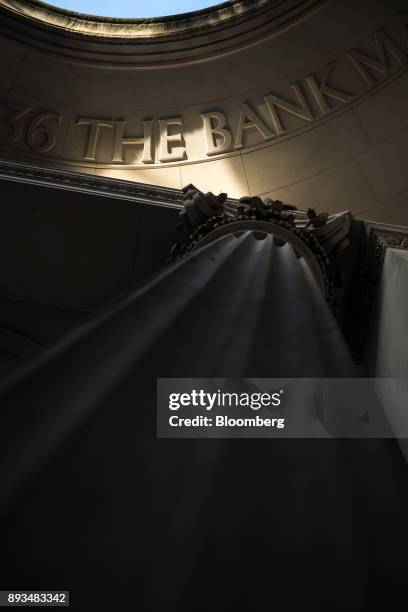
column 321, row 239
column 198, row 209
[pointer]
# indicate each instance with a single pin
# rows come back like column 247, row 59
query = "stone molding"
column 377, row 239
column 115, row 188
column 183, row 38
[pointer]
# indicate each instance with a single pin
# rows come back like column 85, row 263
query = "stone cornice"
column 97, row 185
column 146, row 42
column 110, row 27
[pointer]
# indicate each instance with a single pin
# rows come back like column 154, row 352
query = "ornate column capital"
column 321, row 239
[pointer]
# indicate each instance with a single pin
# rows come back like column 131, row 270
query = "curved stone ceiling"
column 222, row 15
column 130, row 9
column 304, row 101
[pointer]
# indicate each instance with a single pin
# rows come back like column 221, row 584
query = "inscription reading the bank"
column 164, row 140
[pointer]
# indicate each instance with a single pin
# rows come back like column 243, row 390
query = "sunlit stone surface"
column 230, row 99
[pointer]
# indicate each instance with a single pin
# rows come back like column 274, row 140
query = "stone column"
column 242, row 303
column 92, row 501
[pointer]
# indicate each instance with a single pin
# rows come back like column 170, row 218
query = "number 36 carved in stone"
column 40, row 131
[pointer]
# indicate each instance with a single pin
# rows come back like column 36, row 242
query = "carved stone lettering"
column 162, row 141
column 41, row 133
column 172, row 146
column 146, row 142
column 218, row 138
column 15, row 121
column 323, row 91
column 249, row 120
column 382, row 43
column 302, row 110
column 94, row 130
